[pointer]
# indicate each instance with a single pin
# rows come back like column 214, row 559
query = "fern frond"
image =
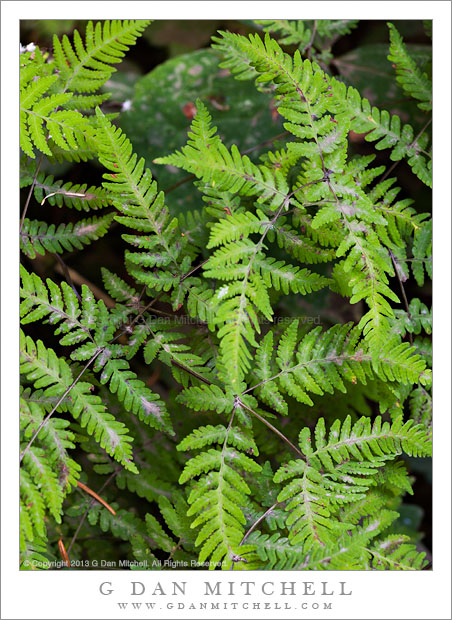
column 413, row 81
column 287, row 278
column 45, row 479
column 174, row 512
column 276, row 551
column 207, row 435
column 54, row 435
column 59, row 305
column 77, row 196
column 290, row 32
column 85, row 66
column 207, row 157
column 350, row 550
column 45, row 369
column 136, row 397
column 117, row 288
column 422, row 253
column 393, row 553
column 39, row 237
column 325, row 361
column 146, row 485
column 418, row 318
column 349, row 454
column 32, row 518
column 217, row 499
column 142, row 208
column 364, row 441
column 335, row 27
column 38, row 113
column 301, row 87
column 34, row 555
column 421, row 407
column 237, row 226
column 206, row 398
column 299, row 246
column 379, row 126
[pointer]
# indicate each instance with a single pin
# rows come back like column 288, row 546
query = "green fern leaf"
column 45, row 369
column 207, row 158
column 87, row 67
column 216, row 500
column 39, row 237
column 413, row 81
column 135, row 396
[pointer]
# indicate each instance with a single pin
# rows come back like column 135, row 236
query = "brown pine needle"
column 63, row 553
column 96, row 496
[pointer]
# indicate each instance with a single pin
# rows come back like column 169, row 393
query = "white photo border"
column 74, row 594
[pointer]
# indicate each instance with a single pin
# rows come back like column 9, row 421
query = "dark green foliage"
column 244, row 381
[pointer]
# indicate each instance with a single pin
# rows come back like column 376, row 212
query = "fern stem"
column 273, row 428
column 253, row 527
column 191, row 372
column 389, row 170
column 60, row 400
column 311, row 42
column 128, row 328
column 402, row 288
column 424, row 128
column 179, row 183
column 388, row 560
column 24, row 213
column 67, row 275
column 305, row 185
column 185, row 276
column 221, row 480
column 153, row 301
column 336, row 359
column 264, row 143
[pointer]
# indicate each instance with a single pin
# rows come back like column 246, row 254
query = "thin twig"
column 389, row 170
column 402, row 288
column 129, row 326
column 91, row 504
column 152, row 302
column 185, row 276
column 74, row 277
column 253, row 527
column 305, row 185
column 67, row 275
column 256, row 523
column 422, row 131
column 271, row 427
column 310, row 44
column 63, row 553
column 191, row 372
column 261, row 144
column 242, row 404
column 24, row 213
column 179, row 183
column 60, row 400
